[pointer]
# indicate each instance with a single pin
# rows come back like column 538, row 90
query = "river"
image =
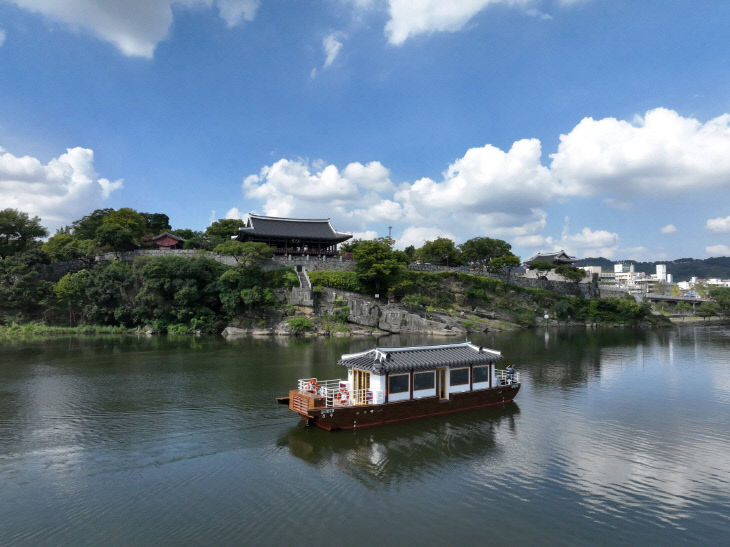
column 616, row 437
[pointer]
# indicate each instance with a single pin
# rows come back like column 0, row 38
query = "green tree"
column 247, row 252
column 23, row 293
column 186, row 233
column 157, row 223
column 708, row 309
column 128, row 219
column 114, row 236
column 350, row 245
column 721, row 295
column 70, row 291
column 224, row 229
column 17, row 230
column 501, row 263
column 63, row 246
column 440, row 251
column 85, row 228
column 410, row 252
column 377, row 265
column 481, row 250
column 571, row 273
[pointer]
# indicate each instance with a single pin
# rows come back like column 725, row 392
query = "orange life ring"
column 311, row 386
column 343, row 396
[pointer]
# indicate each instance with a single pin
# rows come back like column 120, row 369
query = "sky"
column 601, row 127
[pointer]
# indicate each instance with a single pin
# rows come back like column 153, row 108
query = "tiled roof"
column 168, row 234
column 561, row 256
column 381, row 360
column 301, row 228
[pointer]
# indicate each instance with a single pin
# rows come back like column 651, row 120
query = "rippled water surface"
column 616, row 437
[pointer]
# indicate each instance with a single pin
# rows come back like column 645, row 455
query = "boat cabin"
column 386, row 385
column 389, row 375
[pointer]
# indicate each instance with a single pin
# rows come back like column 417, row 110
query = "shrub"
column 299, row 324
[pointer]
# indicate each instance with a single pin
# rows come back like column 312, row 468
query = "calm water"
column 617, row 437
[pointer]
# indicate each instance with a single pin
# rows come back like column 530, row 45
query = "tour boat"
column 387, row 385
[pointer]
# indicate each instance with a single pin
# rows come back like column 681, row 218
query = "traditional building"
column 295, row 236
column 167, row 241
column 558, row 259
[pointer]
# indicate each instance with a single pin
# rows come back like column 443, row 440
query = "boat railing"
column 312, row 385
column 507, row 376
column 345, row 396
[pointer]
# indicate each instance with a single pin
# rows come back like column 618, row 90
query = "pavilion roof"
column 168, row 234
column 560, row 256
column 300, row 228
column 381, row 360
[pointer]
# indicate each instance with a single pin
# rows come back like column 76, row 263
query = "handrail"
column 507, row 377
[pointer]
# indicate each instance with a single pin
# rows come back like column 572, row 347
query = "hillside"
column 682, row 269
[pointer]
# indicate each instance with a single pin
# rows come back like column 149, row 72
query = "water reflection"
column 405, row 452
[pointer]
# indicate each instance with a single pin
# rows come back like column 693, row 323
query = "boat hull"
column 356, row 417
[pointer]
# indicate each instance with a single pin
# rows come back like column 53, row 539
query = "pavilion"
column 293, row 236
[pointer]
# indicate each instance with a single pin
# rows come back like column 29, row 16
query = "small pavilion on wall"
column 294, row 236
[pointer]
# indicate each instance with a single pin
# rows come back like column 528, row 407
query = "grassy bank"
column 41, row 329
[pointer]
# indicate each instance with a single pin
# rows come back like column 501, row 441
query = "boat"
column 388, row 385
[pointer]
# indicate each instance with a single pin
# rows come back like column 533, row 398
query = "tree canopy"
column 440, row 251
column 480, row 250
column 378, row 266
column 224, row 228
column 17, row 230
column 247, row 252
column 128, row 219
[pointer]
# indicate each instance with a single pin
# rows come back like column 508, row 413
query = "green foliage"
column 542, row 266
column 186, row 233
column 571, row 273
column 708, row 309
column 721, row 295
column 23, row 294
column 344, row 281
column 299, row 324
column 377, row 265
column 441, row 251
column 129, row 219
column 223, row 229
column 350, row 245
column 17, row 231
column 70, row 291
column 482, row 250
column 85, row 228
column 245, row 253
column 114, row 236
column 157, row 223
column 63, row 247
column 501, row 263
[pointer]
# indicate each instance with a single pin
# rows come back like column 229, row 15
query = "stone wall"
column 392, row 318
column 586, row 289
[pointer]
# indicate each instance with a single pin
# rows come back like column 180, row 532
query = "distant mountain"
column 682, row 269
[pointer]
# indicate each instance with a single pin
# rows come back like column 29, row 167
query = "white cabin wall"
column 377, row 386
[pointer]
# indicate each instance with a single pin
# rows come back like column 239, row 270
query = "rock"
column 233, row 332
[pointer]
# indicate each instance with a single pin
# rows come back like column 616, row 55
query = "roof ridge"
column 288, row 219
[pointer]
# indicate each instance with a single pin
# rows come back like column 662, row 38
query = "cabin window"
column 424, row 380
column 398, row 383
column 459, row 376
column 481, row 374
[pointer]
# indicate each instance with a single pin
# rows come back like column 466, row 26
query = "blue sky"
column 595, row 126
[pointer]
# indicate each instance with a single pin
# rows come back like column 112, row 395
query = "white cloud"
column 718, row 225
column 3, row 36
column 332, row 47
column 234, row 213
column 235, row 11
column 135, row 27
column 589, row 242
column 410, row 18
column 367, row 235
column 718, row 250
column 418, row 235
column 668, row 229
column 659, row 151
column 618, row 204
column 59, row 191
